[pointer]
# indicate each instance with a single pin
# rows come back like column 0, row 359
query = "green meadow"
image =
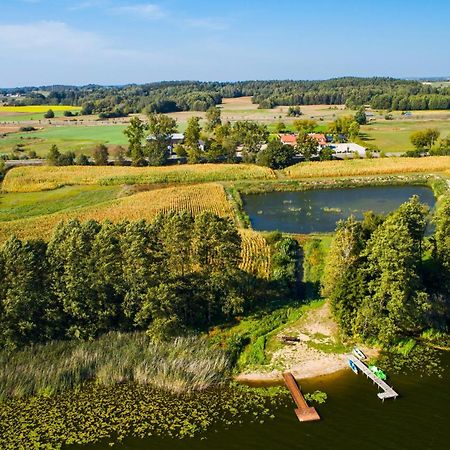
column 31, row 204
column 76, row 138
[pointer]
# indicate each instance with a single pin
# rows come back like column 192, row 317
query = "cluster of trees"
column 174, row 274
column 385, row 279
column 100, row 157
column 428, row 141
column 164, row 97
column 218, row 141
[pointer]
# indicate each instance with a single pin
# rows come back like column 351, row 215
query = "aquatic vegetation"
column 112, row 413
column 316, row 396
column 422, row 360
column 181, row 365
column 331, row 210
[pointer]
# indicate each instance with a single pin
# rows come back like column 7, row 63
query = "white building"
column 348, row 148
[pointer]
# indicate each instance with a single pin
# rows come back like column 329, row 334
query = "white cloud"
column 145, row 10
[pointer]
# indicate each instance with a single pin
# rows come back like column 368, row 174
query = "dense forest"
column 164, row 97
column 168, row 277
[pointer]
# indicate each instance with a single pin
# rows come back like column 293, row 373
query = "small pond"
column 318, row 210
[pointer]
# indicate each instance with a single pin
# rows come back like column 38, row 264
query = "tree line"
column 165, row 97
column 385, row 278
column 174, row 274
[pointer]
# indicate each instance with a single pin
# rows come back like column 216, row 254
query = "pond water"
column 352, row 418
column 318, row 210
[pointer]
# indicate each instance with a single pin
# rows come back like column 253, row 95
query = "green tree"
column 294, row 111
column 161, row 129
column 353, row 130
column 251, row 135
column 424, row 140
column 49, row 114
column 326, row 154
column 276, row 155
column 213, row 118
column 100, row 155
column 191, row 139
column 135, row 133
column 307, row 146
column 53, row 156
column 82, row 160
column 23, row 293
column 305, row 126
column 280, row 127
column 360, row 116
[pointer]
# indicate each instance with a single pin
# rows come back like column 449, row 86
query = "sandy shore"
column 312, row 357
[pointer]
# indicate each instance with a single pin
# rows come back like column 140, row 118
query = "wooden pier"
column 304, row 412
column 387, row 393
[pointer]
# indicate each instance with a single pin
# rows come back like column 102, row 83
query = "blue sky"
column 124, row 41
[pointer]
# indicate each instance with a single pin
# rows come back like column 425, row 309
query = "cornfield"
column 34, row 179
column 255, row 254
column 377, row 166
column 143, row 205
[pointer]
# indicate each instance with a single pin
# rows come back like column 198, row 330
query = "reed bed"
column 34, row 179
column 378, row 166
column 143, row 205
column 185, row 364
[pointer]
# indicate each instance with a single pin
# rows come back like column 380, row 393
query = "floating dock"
column 304, row 412
column 387, row 393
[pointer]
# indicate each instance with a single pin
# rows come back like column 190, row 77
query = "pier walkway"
column 387, row 393
column 304, row 412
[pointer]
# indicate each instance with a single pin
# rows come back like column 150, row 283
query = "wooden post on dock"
column 304, row 412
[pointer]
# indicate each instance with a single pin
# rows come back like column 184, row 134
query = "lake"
column 318, row 210
column 352, row 418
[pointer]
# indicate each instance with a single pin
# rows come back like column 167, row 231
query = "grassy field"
column 25, row 205
column 33, row 179
column 360, row 167
column 76, row 138
column 394, row 135
column 37, row 108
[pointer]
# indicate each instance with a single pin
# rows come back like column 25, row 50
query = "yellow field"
column 34, row 179
column 255, row 254
column 144, row 205
column 380, row 166
column 37, row 108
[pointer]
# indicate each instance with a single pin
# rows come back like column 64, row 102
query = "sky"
column 78, row 42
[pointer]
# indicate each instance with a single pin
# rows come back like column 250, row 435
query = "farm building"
column 288, row 139
column 320, row 138
column 291, row 139
column 176, row 139
column 348, row 148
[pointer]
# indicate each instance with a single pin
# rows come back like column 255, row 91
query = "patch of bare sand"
column 318, row 353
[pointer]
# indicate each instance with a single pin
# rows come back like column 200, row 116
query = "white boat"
column 359, row 354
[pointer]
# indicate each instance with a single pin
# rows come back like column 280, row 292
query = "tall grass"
column 185, row 364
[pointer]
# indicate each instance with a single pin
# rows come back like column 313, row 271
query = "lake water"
column 352, row 418
column 318, row 210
